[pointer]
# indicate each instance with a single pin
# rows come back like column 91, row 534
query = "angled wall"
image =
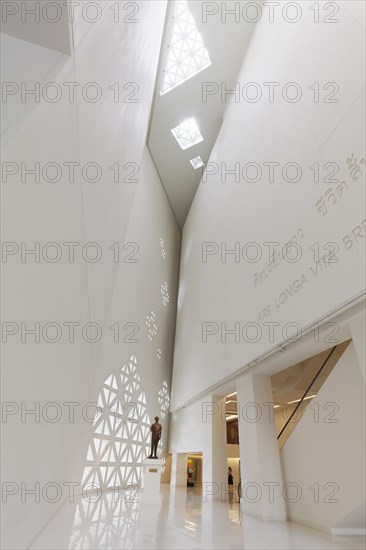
column 48, row 25
column 78, row 318
column 333, row 441
column 260, row 250
column 239, row 301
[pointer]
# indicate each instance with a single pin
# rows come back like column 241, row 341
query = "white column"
column 214, row 471
column 261, row 475
column 165, row 476
column 179, row 470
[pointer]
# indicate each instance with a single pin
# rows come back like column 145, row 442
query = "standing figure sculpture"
column 156, row 430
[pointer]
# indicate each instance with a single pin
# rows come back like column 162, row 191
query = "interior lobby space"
column 183, row 268
column 183, row 521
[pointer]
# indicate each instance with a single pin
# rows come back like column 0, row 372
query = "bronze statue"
column 156, row 429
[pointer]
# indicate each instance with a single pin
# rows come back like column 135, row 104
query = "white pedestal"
column 152, row 476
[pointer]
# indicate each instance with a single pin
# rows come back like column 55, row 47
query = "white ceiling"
column 226, row 42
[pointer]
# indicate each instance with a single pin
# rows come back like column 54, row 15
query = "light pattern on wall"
column 162, row 246
column 165, row 293
column 152, row 328
column 158, row 353
column 121, row 432
column 187, row 55
column 164, row 399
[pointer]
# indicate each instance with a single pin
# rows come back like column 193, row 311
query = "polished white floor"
column 182, row 521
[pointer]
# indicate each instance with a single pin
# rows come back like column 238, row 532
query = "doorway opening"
column 194, row 470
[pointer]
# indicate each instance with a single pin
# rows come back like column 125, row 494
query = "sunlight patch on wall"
column 165, row 293
column 164, row 399
column 121, row 431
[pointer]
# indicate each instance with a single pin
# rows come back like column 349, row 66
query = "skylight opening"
column 187, row 134
column 197, row 162
column 187, row 55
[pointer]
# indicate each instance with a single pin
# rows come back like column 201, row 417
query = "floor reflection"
column 182, row 520
column 193, row 515
column 108, row 522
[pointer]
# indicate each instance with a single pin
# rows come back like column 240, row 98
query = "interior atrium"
column 183, row 274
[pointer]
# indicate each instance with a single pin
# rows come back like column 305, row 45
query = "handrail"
column 306, row 391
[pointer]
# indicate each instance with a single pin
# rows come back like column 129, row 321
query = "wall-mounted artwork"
column 232, row 432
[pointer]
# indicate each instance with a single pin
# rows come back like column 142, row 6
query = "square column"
column 260, row 465
column 214, row 467
column 179, row 470
column 218, row 459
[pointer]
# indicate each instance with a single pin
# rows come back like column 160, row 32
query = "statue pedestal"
column 152, row 476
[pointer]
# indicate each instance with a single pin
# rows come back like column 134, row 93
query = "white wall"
column 137, row 293
column 305, row 132
column 226, row 212
column 105, row 292
column 201, row 428
column 331, row 480
column 48, row 25
column 34, row 63
column 312, row 446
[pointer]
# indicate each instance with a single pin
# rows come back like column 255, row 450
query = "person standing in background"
column 230, row 482
column 230, row 479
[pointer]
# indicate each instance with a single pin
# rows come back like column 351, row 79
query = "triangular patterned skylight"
column 187, row 134
column 197, row 162
column 187, row 55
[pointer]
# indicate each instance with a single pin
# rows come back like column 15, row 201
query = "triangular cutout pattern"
column 187, row 55
column 164, row 400
column 121, row 432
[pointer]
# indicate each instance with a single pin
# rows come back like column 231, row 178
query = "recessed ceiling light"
column 187, row 134
column 197, row 162
column 187, row 55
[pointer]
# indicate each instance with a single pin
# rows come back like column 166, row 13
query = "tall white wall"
column 330, row 483
column 136, row 295
column 37, row 450
column 233, row 290
column 229, row 291
column 201, row 428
